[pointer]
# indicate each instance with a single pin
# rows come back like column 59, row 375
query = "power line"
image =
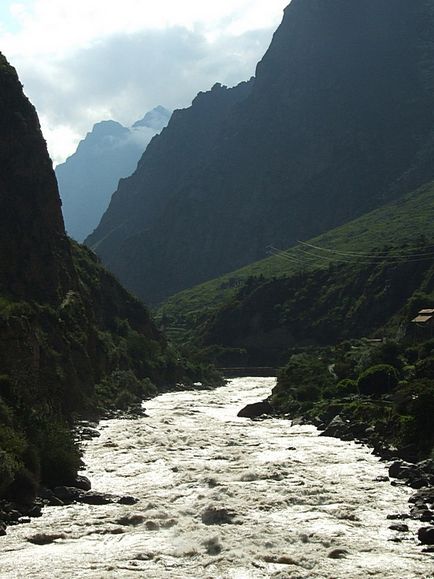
column 377, row 255
column 338, row 256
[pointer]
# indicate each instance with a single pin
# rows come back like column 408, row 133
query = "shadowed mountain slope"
column 72, row 340
column 337, row 121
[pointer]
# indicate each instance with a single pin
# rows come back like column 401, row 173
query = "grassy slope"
column 403, row 220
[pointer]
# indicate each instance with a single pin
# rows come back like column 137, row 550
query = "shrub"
column 59, row 455
column 303, row 380
column 9, row 465
column 388, row 353
column 346, row 387
column 425, row 368
column 122, row 389
column 23, row 488
column 377, row 380
column 415, row 403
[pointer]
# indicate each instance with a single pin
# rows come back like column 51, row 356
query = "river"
column 223, row 497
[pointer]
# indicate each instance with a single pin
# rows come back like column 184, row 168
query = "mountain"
column 88, row 178
column 375, row 295
column 156, row 119
column 72, row 340
column 314, row 282
column 337, row 121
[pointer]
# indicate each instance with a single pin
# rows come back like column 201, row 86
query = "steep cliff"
column 35, row 258
column 337, row 121
column 72, row 340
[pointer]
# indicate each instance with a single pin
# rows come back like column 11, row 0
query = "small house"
column 424, row 323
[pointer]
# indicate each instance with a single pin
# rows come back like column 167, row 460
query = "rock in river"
column 255, row 410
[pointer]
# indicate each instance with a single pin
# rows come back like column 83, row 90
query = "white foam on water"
column 222, row 497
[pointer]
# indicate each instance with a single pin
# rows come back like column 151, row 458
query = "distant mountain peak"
column 108, row 128
column 155, row 119
column 109, row 152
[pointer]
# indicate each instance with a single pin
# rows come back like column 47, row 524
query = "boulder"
column 398, row 516
column 426, row 466
column 336, row 428
column 34, row 511
column 409, row 452
column 422, row 513
column 94, row 498
column 87, row 433
column 67, row 494
column 45, row 538
column 411, row 473
column 384, row 451
column 256, row 409
column 82, row 482
column 426, row 535
column 131, row 520
column 217, row 516
column 399, row 527
column 423, row 496
column 128, row 500
column 400, row 469
column 338, row 554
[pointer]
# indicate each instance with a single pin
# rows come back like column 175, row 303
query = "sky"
column 83, row 61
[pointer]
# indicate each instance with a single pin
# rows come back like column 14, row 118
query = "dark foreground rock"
column 12, row 513
column 426, row 535
column 255, row 410
column 416, row 476
column 45, row 538
column 217, row 516
column 70, row 495
column 337, row 428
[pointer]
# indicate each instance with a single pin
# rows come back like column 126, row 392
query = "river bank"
column 417, row 475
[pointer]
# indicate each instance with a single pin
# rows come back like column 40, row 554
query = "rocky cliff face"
column 88, row 178
column 72, row 340
column 35, row 259
column 337, row 120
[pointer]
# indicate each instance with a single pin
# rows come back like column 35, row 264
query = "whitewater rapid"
column 223, row 497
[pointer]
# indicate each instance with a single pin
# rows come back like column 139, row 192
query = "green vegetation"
column 265, row 318
column 393, row 402
column 405, row 221
column 377, row 380
column 94, row 352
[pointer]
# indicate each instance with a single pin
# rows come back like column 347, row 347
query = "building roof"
column 426, row 312
column 422, row 319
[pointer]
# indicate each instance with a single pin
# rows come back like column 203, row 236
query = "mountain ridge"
column 403, row 221
column 337, row 121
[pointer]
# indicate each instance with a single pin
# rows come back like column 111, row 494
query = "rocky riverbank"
column 417, row 475
column 78, row 490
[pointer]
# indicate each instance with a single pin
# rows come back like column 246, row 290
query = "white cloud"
column 88, row 60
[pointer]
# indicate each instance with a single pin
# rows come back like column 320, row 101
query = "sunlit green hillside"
column 405, row 220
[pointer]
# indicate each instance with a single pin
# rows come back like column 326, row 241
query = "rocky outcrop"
column 35, row 256
column 256, row 409
column 426, row 535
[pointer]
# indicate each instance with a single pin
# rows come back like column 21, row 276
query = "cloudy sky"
column 82, row 61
